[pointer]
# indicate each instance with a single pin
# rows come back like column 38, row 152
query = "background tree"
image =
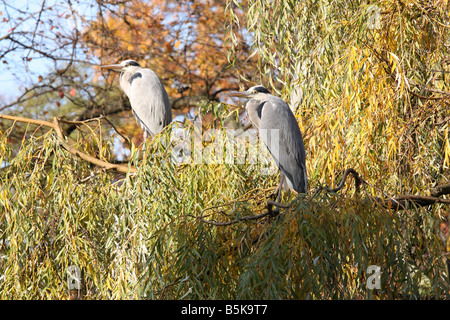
column 181, row 40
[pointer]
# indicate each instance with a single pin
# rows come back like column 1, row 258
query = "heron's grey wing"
column 280, row 132
column 149, row 101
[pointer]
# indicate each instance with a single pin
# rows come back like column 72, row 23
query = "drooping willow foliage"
column 375, row 83
column 146, row 235
column 374, row 99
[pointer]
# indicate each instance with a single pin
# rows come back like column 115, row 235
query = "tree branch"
column 402, row 202
column 440, row 190
column 269, row 212
column 55, row 126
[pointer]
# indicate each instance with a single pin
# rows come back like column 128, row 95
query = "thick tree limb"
column 358, row 180
column 405, row 202
column 398, row 203
column 401, row 202
column 440, row 190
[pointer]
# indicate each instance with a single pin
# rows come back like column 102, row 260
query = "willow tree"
column 369, row 83
column 373, row 109
column 374, row 78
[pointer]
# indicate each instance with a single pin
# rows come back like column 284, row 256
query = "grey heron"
column 148, row 97
column 273, row 115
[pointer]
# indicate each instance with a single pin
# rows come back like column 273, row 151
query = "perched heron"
column 148, row 98
column 267, row 112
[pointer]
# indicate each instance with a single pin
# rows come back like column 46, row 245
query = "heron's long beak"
column 240, row 94
column 115, row 67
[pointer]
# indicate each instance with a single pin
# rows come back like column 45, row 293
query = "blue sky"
column 15, row 75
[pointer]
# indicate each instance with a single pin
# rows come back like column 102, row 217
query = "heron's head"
column 251, row 93
column 126, row 65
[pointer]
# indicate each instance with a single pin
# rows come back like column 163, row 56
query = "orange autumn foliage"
column 181, row 40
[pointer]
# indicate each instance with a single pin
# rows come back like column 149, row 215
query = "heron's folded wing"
column 150, row 102
column 280, row 132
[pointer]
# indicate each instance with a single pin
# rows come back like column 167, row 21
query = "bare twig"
column 244, row 218
column 101, row 117
column 269, row 212
column 55, row 126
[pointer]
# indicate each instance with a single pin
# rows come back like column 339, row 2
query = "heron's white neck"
column 261, row 96
column 125, row 77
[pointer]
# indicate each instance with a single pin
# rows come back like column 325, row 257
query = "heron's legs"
column 280, row 186
column 277, row 204
column 289, row 193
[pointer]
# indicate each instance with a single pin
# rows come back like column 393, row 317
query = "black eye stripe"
column 132, row 63
column 261, row 89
